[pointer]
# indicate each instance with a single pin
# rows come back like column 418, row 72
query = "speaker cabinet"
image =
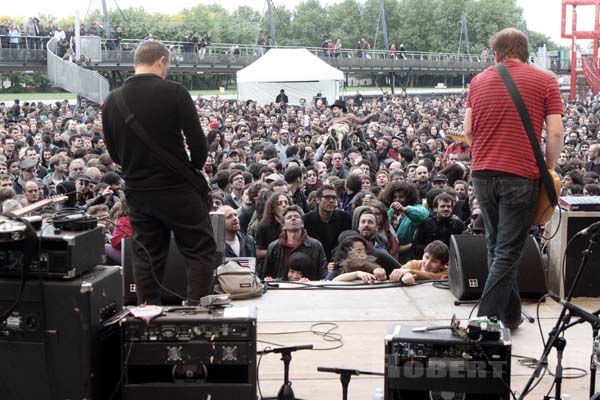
column 53, row 346
column 568, row 224
column 467, row 268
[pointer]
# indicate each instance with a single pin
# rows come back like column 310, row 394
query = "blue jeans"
column 507, row 207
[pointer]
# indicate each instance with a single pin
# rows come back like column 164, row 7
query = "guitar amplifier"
column 438, row 365
column 561, row 277
column 62, row 254
column 190, row 353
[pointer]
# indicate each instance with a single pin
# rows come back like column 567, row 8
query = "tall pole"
column 77, row 35
column 106, row 23
column 465, row 30
column 573, row 56
column 383, row 25
column 272, row 23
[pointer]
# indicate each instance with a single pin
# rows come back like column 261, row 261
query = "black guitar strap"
column 169, row 160
column 518, row 101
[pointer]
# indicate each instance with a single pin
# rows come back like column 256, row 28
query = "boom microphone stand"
column 560, row 324
column 345, row 375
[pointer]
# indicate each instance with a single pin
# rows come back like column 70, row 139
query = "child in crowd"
column 296, row 265
column 433, row 265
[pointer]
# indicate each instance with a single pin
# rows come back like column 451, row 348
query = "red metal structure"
column 587, row 74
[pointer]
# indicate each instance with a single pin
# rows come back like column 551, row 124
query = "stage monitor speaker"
column 52, row 346
column 175, row 277
column 572, row 222
column 467, row 268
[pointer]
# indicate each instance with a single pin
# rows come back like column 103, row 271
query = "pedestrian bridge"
column 31, row 55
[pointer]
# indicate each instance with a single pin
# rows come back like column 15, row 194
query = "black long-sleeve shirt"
column 165, row 110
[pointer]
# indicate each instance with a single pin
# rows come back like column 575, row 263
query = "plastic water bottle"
column 378, row 395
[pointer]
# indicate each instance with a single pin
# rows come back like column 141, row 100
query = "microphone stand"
column 558, row 328
column 594, row 321
column 285, row 392
column 345, row 375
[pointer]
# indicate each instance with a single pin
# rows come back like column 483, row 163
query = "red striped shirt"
column 500, row 142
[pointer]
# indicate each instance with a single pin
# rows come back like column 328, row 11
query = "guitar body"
column 543, row 208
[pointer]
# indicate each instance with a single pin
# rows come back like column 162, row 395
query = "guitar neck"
column 39, row 204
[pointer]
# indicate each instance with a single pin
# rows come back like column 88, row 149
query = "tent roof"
column 289, row 65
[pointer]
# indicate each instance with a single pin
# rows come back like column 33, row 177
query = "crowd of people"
column 388, row 188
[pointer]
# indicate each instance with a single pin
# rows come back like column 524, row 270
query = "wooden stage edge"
column 362, row 318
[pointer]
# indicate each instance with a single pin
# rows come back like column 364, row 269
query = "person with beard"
column 422, row 180
column 237, row 244
column 439, row 226
column 294, row 239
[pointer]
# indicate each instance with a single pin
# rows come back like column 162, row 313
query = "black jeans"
column 154, row 215
column 507, row 206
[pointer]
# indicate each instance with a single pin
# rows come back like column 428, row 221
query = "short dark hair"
column 292, row 208
column 323, row 188
column 438, row 250
column 510, row 43
column 445, row 197
column 354, row 182
column 150, row 51
column 292, row 173
column 298, row 261
column 234, row 173
column 222, row 178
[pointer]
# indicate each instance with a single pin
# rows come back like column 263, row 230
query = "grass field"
column 70, row 96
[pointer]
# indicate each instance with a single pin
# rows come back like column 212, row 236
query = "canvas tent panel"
column 299, row 72
column 266, row 92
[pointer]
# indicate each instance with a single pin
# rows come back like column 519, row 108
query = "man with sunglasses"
column 327, row 222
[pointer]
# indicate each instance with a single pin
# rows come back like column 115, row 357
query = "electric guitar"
column 543, row 208
column 12, row 230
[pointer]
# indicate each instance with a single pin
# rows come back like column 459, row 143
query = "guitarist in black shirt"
column 160, row 199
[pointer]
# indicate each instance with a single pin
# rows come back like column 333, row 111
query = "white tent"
column 299, row 72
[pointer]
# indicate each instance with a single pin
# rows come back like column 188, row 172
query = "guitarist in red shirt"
column 505, row 172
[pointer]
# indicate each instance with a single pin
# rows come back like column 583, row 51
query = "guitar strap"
column 169, row 160
column 518, row 101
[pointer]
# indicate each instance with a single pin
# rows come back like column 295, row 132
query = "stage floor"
column 363, row 317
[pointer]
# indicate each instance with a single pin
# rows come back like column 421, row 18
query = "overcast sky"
column 541, row 15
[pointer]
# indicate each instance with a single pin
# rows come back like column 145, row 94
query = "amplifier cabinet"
column 190, row 353
column 568, row 224
column 52, row 346
column 435, row 364
column 62, row 254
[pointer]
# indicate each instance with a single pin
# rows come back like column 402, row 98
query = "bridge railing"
column 23, row 49
column 74, row 78
column 186, row 53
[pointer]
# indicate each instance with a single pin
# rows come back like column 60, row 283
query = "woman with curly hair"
column 352, row 262
column 405, row 213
